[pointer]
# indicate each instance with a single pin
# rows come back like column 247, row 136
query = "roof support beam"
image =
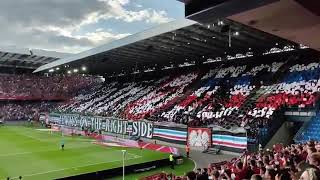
column 208, row 45
column 236, row 45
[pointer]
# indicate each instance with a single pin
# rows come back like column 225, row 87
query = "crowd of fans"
column 217, row 98
column 24, row 96
column 24, row 111
column 297, row 161
column 298, row 89
column 224, row 92
column 26, row 86
column 159, row 98
column 110, row 99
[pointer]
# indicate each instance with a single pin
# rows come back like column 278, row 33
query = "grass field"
column 36, row 155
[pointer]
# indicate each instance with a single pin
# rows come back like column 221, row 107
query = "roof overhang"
column 175, row 44
column 24, row 61
column 295, row 20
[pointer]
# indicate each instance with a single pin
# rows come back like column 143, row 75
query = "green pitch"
column 36, row 155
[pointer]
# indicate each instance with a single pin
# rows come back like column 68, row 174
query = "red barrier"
column 159, row 176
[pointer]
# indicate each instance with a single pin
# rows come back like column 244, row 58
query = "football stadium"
column 228, row 91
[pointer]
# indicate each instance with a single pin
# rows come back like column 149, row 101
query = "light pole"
column 123, row 158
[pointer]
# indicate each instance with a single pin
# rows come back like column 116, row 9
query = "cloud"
column 158, row 17
column 102, row 36
column 49, row 12
column 54, row 38
column 117, row 10
column 56, row 24
column 73, row 43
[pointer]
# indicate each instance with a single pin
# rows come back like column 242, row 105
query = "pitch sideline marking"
column 57, row 170
column 195, row 164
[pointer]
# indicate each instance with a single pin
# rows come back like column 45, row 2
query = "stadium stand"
column 228, row 96
column 24, row 96
column 24, row 110
column 31, row 87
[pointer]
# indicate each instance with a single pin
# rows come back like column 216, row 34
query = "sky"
column 72, row 26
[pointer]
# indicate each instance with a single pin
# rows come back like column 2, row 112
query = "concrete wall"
column 298, row 118
column 284, row 135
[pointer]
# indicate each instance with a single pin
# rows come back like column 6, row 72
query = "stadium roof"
column 175, row 42
column 14, row 57
column 25, row 61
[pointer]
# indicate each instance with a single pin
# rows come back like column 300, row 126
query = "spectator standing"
column 188, row 150
column 171, row 159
